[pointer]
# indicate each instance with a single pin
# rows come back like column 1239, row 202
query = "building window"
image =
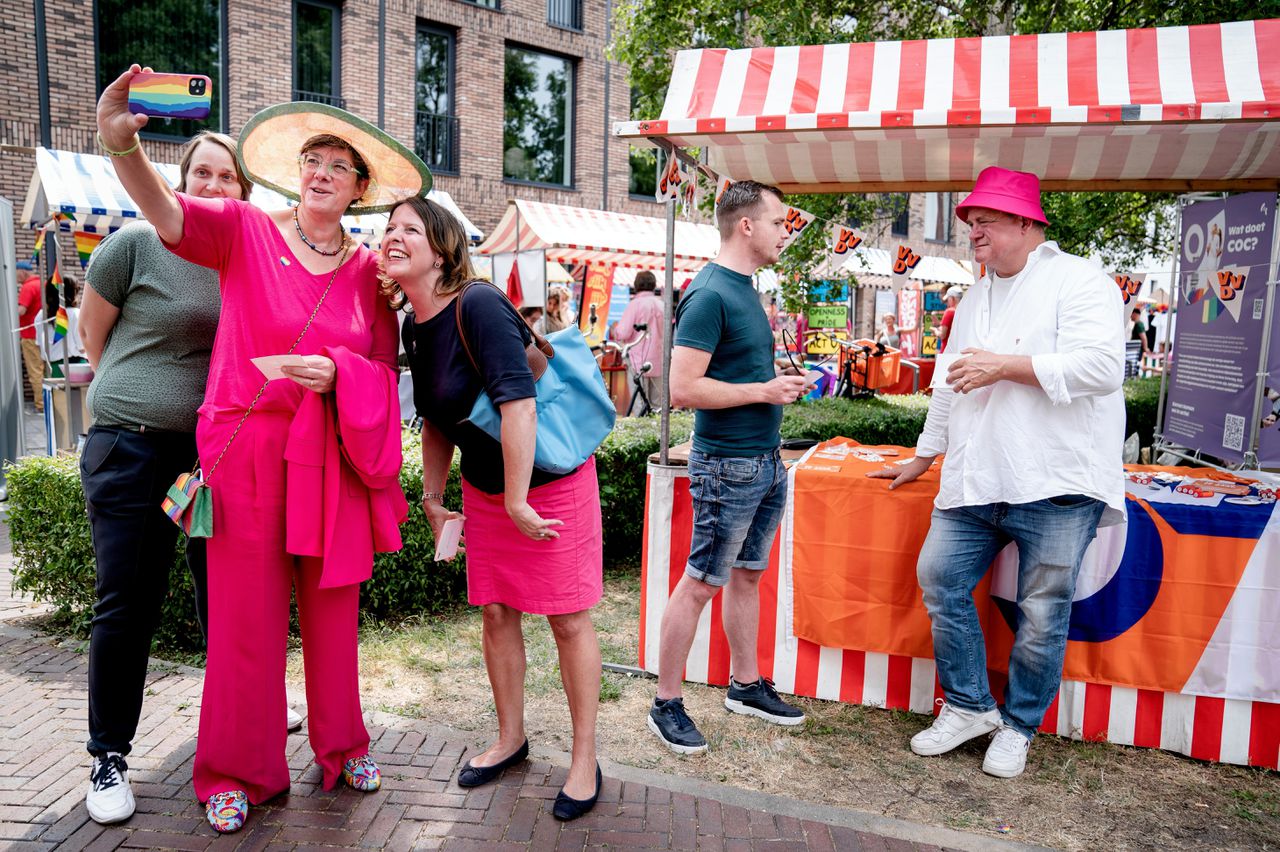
column 537, row 128
column 435, row 125
column 900, row 210
column 937, row 217
column 565, row 13
column 485, row 4
column 317, row 46
column 179, row 35
column 644, row 172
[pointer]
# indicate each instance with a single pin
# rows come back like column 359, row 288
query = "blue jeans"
column 737, row 504
column 1052, row 536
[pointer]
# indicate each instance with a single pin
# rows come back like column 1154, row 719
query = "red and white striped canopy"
column 1175, row 108
column 574, row 235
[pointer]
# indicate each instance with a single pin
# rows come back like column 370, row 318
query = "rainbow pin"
column 284, row 261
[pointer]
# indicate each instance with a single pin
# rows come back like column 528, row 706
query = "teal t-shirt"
column 721, row 313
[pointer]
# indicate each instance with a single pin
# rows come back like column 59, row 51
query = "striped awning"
column 85, row 187
column 575, row 235
column 1174, row 108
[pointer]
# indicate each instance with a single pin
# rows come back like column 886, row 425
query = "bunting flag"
column 671, row 184
column 688, row 191
column 796, row 221
column 514, row 291
column 60, row 324
column 85, row 244
column 842, row 244
column 905, row 261
column 1229, row 282
column 35, row 255
column 60, row 318
column 722, row 183
column 1130, row 285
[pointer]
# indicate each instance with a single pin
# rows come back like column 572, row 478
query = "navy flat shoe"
column 568, row 808
column 474, row 776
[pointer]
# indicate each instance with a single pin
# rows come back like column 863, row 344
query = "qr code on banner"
column 1233, row 433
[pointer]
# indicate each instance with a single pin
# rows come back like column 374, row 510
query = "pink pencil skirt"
column 552, row 577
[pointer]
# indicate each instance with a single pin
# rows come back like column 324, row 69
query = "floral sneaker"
column 361, row 773
column 226, row 812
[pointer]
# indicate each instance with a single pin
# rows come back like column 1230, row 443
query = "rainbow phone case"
column 170, row 95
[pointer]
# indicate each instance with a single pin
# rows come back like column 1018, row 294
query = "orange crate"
column 880, row 371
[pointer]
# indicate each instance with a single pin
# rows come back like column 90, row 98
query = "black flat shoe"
column 568, row 808
column 474, row 776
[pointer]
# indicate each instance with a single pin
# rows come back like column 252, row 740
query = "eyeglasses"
column 333, row 168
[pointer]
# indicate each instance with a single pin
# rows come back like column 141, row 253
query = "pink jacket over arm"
column 344, row 500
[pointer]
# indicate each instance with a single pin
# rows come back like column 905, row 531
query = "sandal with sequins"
column 226, row 812
column 361, row 773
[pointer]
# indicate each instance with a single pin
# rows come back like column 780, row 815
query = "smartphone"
column 170, row 95
column 447, row 544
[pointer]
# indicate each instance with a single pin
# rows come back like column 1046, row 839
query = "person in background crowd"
column 952, row 299
column 890, row 334
column 531, row 315
column 645, row 309
column 722, row 366
column 1137, row 330
column 28, row 311
column 534, row 539
column 558, row 314
column 69, row 347
column 289, row 280
column 1032, row 421
column 147, row 327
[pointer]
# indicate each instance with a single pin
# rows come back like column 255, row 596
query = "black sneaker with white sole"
column 673, row 726
column 109, row 798
column 761, row 699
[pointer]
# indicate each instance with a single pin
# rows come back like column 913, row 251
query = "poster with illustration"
column 1221, row 291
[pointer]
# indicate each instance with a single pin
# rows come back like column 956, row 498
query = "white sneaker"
column 293, row 721
column 109, row 798
column 953, row 727
column 1007, row 754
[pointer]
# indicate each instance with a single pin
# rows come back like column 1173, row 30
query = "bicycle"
column 859, row 359
column 634, row 376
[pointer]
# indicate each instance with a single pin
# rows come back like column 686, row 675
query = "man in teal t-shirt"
column 722, row 366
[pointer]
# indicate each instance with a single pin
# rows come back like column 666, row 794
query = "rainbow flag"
column 60, row 324
column 85, row 244
column 35, row 255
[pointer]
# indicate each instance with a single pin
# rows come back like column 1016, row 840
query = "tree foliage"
column 1120, row 227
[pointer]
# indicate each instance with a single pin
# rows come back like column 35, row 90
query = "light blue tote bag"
column 575, row 412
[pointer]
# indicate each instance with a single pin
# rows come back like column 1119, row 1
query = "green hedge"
column 1141, row 402
column 53, row 554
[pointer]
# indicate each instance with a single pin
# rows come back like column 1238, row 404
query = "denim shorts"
column 737, row 505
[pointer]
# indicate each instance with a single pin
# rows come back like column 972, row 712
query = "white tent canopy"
column 85, row 186
column 575, row 235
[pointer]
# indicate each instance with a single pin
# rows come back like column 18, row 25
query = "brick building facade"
column 258, row 70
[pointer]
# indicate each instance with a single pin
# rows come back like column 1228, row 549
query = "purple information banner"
column 1222, row 288
column 1269, row 436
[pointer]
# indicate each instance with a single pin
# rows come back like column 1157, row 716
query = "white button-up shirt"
column 1014, row 443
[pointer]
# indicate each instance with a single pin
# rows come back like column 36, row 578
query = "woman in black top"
column 533, row 538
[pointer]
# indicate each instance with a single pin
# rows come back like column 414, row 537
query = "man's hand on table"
column 902, row 474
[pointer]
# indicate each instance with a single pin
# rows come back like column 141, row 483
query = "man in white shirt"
column 1032, row 423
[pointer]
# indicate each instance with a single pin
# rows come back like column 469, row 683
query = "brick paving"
column 44, row 772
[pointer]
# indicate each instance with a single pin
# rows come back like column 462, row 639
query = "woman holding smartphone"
column 147, row 323
column 533, row 538
column 292, row 283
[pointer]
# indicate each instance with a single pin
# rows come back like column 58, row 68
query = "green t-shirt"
column 721, row 313
column 156, row 360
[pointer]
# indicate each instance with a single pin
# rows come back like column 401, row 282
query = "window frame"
column 219, row 79
column 898, row 216
column 579, row 12
column 571, row 118
column 451, row 36
column 335, row 50
column 944, row 210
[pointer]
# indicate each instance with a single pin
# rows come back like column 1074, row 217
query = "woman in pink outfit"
column 533, row 538
column 291, row 282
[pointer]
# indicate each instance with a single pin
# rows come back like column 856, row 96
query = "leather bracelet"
column 433, row 495
column 137, row 143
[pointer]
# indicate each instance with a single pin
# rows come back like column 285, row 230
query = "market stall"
column 1173, row 109
column 1173, row 641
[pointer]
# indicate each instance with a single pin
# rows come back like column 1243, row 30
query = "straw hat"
column 272, row 140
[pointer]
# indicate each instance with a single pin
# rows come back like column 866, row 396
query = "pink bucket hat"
column 1016, row 193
